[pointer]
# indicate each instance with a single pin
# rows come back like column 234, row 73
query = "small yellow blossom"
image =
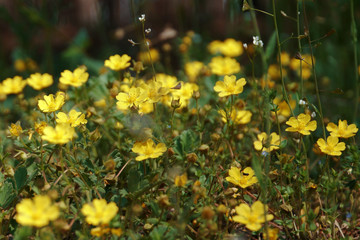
column 148, row 149
column 118, row 62
column 100, row 103
column 39, row 127
column 302, row 124
column 232, row 48
column 243, row 179
column 306, row 66
column 193, row 70
column 215, row 47
column 271, row 234
column 130, row 99
column 146, row 108
column 284, row 111
column 15, row 129
column 2, row 93
column 230, row 86
column 183, row 95
column 61, row 134
column 224, row 66
column 51, row 104
column 100, row 231
column 99, row 212
column 331, row 146
column 20, row 65
column 39, row 81
column 342, row 130
column 76, row 78
column 274, row 72
column 37, row 212
column 74, row 119
column 153, row 91
column 13, row 85
column 252, row 217
column 285, row 59
column 180, row 180
column 237, row 116
column 145, row 58
column 261, row 142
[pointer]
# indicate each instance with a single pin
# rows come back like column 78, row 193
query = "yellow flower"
column 193, row 70
column 229, row 48
column 39, row 81
column 39, row 127
column 148, row 149
column 274, row 72
column 252, row 217
column 100, row 231
column 183, row 94
column 99, row 212
column 243, row 179
column 284, row 110
column 146, row 108
column 144, row 56
column 232, row 48
column 181, row 180
column 302, row 124
column 215, row 47
column 237, row 116
column 13, row 85
column 61, row 134
column 230, row 86
column 15, row 129
column 331, row 146
column 343, row 130
column 285, row 59
column 306, row 66
column 74, row 119
column 51, row 104
column 20, row 65
column 118, row 62
column 224, row 66
column 37, row 212
column 261, row 143
column 131, row 99
column 167, row 81
column 153, row 91
column 271, row 234
column 2, row 93
column 76, row 78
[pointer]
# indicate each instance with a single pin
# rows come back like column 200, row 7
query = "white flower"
column 313, row 114
column 257, row 41
column 245, row 45
column 142, row 18
column 302, row 102
column 349, row 171
column 147, row 31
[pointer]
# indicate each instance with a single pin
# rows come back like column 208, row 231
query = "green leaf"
column 23, row 233
column 270, row 46
column 7, row 195
column 283, row 143
column 185, row 143
column 20, row 178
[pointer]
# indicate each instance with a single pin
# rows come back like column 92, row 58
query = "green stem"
column 306, row 24
column 300, row 49
column 279, row 55
column 354, row 38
